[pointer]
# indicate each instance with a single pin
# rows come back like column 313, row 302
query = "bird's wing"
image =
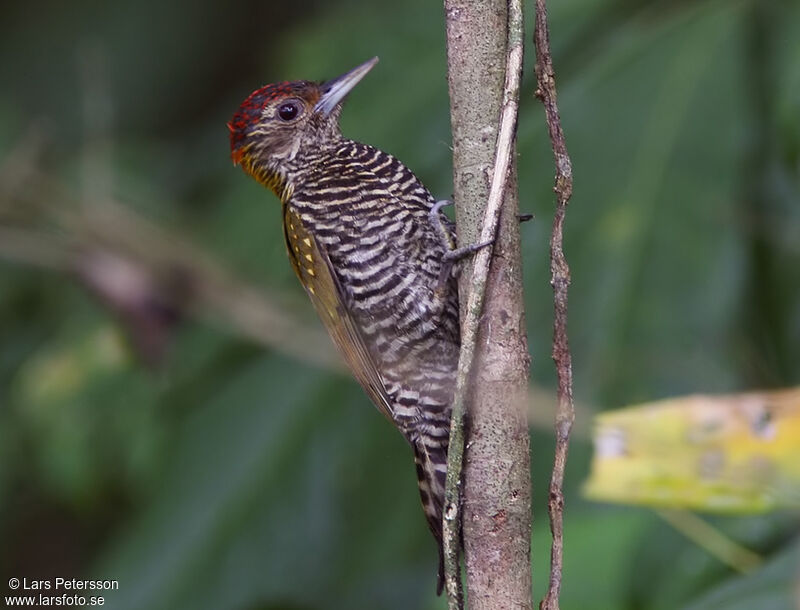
column 313, row 267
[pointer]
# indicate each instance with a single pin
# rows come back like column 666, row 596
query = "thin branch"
column 217, row 295
column 712, row 540
column 560, row 279
column 469, row 328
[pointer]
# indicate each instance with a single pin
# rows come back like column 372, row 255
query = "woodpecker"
column 374, row 253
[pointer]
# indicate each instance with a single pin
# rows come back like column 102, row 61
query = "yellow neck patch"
column 270, row 179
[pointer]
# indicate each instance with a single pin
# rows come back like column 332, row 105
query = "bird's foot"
column 458, row 253
column 452, row 253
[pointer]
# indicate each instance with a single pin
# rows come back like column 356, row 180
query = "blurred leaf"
column 776, row 586
column 68, row 397
column 724, row 454
column 250, row 504
column 671, row 569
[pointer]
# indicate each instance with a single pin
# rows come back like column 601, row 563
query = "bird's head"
column 278, row 121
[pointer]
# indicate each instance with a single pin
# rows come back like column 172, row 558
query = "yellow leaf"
column 728, row 454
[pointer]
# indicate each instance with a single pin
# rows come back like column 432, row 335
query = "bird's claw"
column 459, row 253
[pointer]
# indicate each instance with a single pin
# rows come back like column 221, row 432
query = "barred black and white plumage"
column 361, row 239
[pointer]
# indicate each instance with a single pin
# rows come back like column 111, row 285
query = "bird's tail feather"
column 431, row 463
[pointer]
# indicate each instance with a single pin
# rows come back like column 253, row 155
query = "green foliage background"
column 234, row 477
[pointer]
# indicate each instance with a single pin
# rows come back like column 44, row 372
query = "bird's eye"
column 288, row 110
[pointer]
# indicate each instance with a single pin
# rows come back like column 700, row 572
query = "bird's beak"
column 334, row 91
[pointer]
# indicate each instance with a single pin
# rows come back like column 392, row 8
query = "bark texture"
column 496, row 488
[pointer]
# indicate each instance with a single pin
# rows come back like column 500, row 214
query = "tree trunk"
column 496, row 492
